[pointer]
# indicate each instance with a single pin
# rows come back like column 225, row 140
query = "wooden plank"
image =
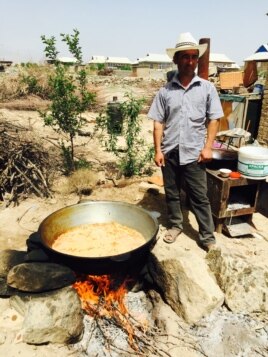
column 229, row 80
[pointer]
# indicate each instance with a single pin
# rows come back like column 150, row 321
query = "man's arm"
column 158, row 133
column 212, row 129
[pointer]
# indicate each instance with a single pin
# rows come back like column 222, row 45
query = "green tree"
column 69, row 96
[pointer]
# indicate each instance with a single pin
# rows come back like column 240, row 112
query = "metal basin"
column 223, row 158
column 99, row 212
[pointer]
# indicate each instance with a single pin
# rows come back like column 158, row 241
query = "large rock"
column 185, row 280
column 244, row 281
column 38, row 277
column 50, row 317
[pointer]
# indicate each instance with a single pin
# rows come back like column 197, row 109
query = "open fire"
column 101, row 292
column 102, row 298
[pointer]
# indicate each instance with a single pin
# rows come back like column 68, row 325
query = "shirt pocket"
column 198, row 110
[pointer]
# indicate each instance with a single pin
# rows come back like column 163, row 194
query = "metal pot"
column 223, row 158
column 224, row 154
column 99, row 212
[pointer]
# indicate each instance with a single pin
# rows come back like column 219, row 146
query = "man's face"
column 187, row 61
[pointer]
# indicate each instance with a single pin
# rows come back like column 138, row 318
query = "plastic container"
column 258, row 89
column 253, row 162
column 235, row 175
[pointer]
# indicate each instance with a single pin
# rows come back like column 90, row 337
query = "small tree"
column 135, row 159
column 69, row 95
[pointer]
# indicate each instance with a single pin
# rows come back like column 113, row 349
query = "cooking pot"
column 223, row 158
column 90, row 212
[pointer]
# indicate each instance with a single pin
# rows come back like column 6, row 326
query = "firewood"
column 24, row 165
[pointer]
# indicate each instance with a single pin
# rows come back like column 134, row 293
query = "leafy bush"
column 137, row 156
column 32, row 85
column 126, row 67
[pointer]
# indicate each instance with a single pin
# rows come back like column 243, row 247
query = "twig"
column 28, row 209
column 261, row 353
column 28, row 180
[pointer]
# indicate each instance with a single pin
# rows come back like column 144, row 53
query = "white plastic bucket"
column 253, row 162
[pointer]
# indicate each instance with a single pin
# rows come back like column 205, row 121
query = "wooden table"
column 231, row 198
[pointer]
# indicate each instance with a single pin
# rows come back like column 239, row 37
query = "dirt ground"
column 18, row 222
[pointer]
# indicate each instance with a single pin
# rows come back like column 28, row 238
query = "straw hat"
column 186, row 42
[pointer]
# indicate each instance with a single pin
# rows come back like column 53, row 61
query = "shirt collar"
column 174, row 80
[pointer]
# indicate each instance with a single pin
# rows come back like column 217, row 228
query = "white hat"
column 186, row 42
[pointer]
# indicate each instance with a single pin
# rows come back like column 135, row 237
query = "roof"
column 153, row 57
column 219, row 57
column 163, row 58
column 67, row 59
column 97, row 59
column 260, row 55
column 104, row 59
column 121, row 60
column 5, row 62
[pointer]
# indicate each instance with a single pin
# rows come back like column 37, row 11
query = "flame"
column 102, row 297
column 96, row 290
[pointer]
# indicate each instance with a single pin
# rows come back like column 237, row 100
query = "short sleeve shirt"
column 184, row 112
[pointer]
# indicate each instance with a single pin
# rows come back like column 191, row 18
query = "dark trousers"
column 194, row 177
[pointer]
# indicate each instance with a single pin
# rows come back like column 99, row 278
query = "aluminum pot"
column 223, row 158
column 91, row 212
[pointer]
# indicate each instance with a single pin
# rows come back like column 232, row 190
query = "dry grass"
column 83, row 181
column 29, row 102
column 13, row 85
column 15, row 92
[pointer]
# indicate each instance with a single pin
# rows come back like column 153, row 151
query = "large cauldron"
column 100, row 212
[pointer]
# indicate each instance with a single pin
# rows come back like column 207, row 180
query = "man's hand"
column 205, row 155
column 159, row 159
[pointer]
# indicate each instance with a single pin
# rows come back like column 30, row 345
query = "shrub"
column 135, row 159
column 69, row 96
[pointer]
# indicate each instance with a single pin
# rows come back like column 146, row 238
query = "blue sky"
column 126, row 28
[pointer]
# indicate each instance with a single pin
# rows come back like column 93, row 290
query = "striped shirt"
column 184, row 113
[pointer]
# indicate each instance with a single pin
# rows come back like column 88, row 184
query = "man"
column 186, row 113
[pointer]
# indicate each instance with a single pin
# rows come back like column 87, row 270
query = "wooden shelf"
column 231, row 197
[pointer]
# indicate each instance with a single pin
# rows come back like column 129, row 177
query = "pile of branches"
column 24, row 165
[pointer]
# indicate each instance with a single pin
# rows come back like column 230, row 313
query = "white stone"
column 186, row 282
column 244, row 282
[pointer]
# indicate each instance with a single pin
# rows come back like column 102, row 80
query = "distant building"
column 117, row 62
column 219, row 62
column 4, row 65
column 111, row 62
column 154, row 61
column 152, row 65
column 65, row 60
column 97, row 60
column 261, row 57
column 68, row 60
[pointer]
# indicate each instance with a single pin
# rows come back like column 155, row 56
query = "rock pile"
column 184, row 300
